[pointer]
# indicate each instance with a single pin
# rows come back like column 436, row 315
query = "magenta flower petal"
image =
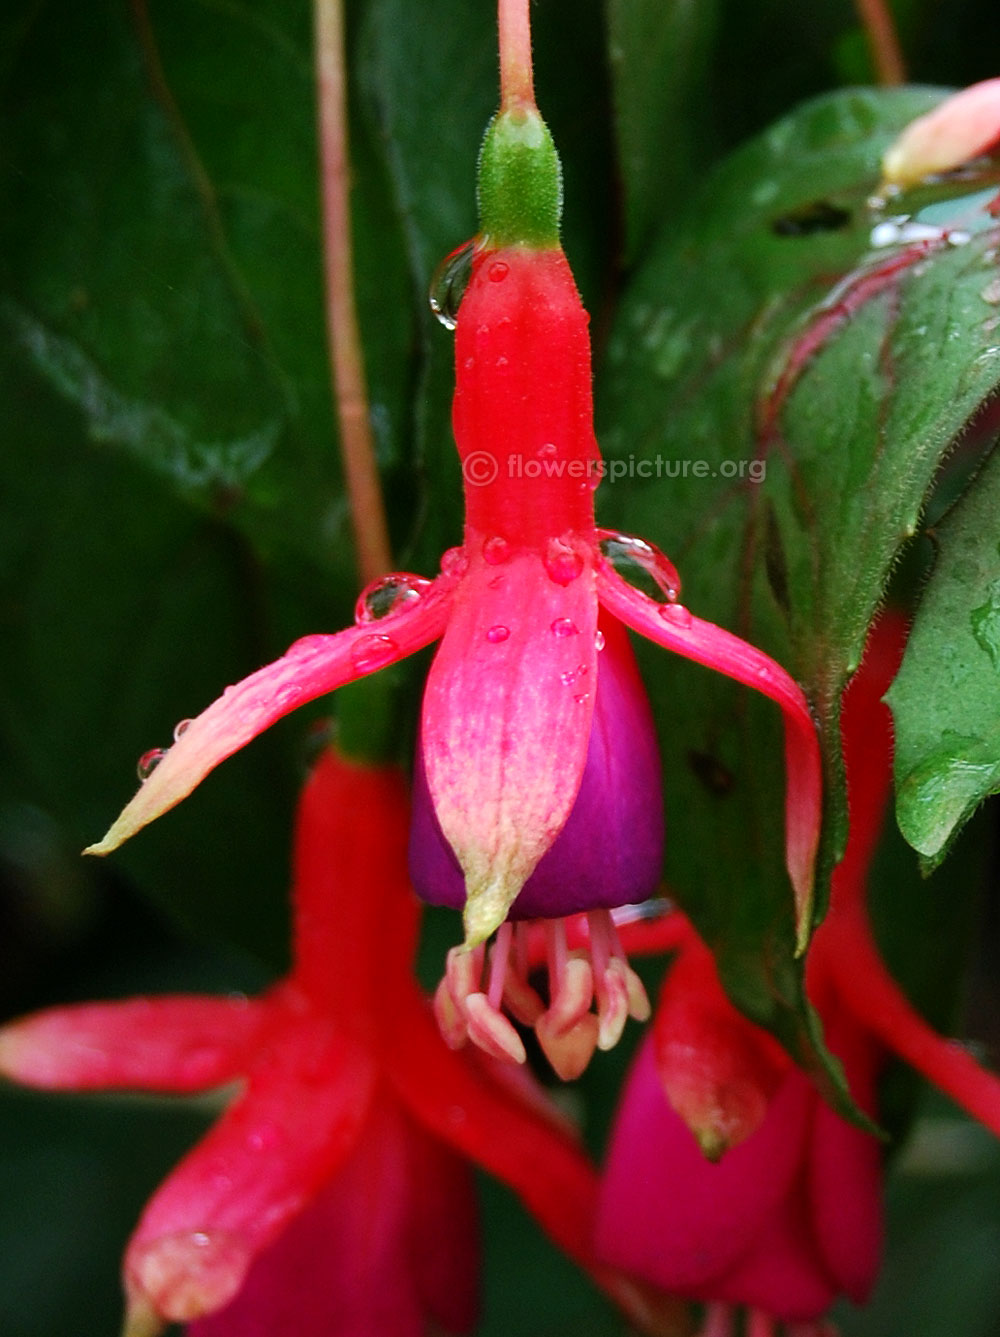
column 256, row 1169
column 369, row 1256
column 845, row 1168
column 720, row 650
column 720, row 1209
column 610, row 852
column 782, row 1273
column 444, row 1233
column 311, row 667
column 180, row 1043
column 506, row 717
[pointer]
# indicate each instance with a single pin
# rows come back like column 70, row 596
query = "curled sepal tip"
column 719, row 649
column 141, row 1319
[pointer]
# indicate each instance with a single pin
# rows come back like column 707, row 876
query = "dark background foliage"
column 173, row 516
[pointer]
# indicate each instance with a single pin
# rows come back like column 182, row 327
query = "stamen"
column 491, row 1031
column 592, row 991
column 522, row 949
column 462, row 972
column 760, row 1324
column 718, row 1321
column 619, row 991
column 450, row 1020
column 570, row 1051
column 555, row 937
column 498, row 963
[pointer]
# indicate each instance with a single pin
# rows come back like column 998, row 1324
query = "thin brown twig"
column 357, row 444
column 880, row 28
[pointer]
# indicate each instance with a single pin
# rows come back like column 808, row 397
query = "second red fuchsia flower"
column 789, row 1216
column 332, row 1198
column 533, row 709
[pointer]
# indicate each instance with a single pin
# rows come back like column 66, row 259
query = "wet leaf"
column 781, row 386
column 659, row 121
column 946, row 699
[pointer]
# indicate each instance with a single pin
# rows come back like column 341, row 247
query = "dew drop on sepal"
column 562, row 562
column 454, row 562
column 373, row 652
column 389, row 595
column 564, row 626
column 149, row 761
column 640, row 564
column 676, row 614
column 451, row 278
column 496, row 550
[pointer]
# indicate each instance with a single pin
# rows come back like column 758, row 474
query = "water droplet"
column 497, row 271
column 562, row 562
column 599, row 641
column 264, row 1138
column 149, row 761
column 581, row 697
column 641, row 564
column 389, row 595
column 454, row 562
column 764, row 673
column 572, row 676
column 676, row 614
column 497, row 634
column 287, row 695
column 373, row 652
column 496, row 550
column 547, row 451
column 565, row 626
column 181, row 728
column 451, row 278
column 306, row 645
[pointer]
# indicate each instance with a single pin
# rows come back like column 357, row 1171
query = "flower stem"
column 516, row 80
column 877, row 20
column 357, row 448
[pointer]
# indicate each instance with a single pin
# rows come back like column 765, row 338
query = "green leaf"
column 946, row 699
column 778, row 395
column 659, row 59
column 162, row 269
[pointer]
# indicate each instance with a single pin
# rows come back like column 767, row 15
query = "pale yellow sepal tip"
column 957, row 130
column 141, row 1320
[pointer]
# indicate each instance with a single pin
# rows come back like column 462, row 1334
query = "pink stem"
column 357, row 448
column 876, row 18
column 516, row 81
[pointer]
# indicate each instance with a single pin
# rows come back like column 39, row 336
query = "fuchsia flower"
column 332, row 1196
column 790, row 1217
column 526, row 718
